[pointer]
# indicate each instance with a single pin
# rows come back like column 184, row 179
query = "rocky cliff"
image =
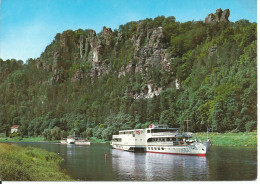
column 136, row 48
column 219, row 16
column 81, row 54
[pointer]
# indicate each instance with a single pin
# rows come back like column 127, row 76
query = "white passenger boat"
column 82, row 142
column 75, row 140
column 159, row 139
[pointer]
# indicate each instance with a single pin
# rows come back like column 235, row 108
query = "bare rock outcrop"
column 219, row 16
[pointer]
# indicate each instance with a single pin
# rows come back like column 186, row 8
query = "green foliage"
column 30, row 164
column 251, row 125
column 16, row 134
column 217, row 90
column 238, row 139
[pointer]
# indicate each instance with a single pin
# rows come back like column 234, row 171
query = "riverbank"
column 241, row 139
column 24, row 139
column 30, row 164
column 246, row 139
column 41, row 139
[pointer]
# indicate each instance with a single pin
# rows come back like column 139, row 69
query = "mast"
column 187, row 120
column 207, row 133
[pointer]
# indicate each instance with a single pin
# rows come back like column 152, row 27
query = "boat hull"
column 71, row 141
column 195, row 149
column 188, row 154
column 82, row 143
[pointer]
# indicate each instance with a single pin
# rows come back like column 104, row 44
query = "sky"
column 28, row 26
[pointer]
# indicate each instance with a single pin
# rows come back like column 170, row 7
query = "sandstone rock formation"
column 74, row 48
column 219, row 16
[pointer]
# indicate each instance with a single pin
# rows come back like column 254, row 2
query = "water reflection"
column 152, row 167
column 88, row 163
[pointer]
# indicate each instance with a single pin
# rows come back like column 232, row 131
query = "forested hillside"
column 150, row 71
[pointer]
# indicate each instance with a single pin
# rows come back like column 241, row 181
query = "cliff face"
column 219, row 16
column 137, row 48
column 75, row 55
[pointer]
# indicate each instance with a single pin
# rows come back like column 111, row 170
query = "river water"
column 88, row 163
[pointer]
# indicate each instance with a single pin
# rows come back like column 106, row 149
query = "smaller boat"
column 82, row 142
column 75, row 140
column 70, row 140
column 63, row 141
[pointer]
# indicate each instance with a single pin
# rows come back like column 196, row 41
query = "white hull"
column 76, row 142
column 197, row 149
column 82, row 143
column 63, row 142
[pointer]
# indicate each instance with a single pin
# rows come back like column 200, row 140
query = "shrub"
column 251, row 125
column 16, row 134
column 29, row 164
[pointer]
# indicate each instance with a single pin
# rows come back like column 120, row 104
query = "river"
column 88, row 163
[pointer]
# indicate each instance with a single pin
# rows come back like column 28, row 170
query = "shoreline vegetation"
column 30, row 164
column 241, row 139
column 41, row 139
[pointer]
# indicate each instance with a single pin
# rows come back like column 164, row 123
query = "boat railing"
column 164, row 134
column 115, row 136
column 187, row 134
column 168, row 143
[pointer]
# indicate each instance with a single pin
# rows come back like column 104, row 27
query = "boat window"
column 151, row 148
column 159, row 149
column 159, row 130
column 162, row 148
column 148, row 148
column 155, row 148
column 148, row 131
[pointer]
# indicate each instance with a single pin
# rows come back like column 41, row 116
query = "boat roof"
column 152, row 126
column 130, row 130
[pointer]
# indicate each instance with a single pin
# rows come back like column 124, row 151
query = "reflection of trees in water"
column 151, row 166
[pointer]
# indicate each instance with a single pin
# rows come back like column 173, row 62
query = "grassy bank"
column 247, row 139
column 30, row 164
column 96, row 140
column 41, row 139
column 20, row 139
